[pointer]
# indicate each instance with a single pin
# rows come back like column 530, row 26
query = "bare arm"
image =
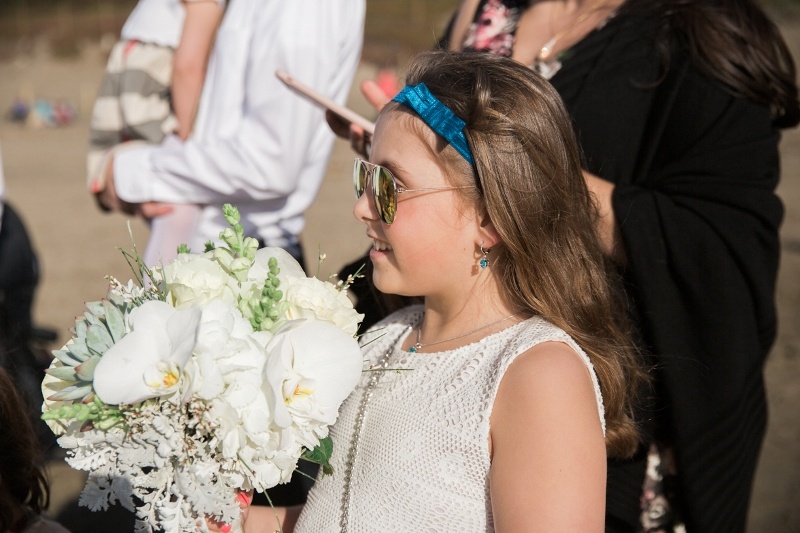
column 608, row 231
column 191, row 59
column 548, row 452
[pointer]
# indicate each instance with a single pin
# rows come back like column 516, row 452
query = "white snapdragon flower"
column 148, row 361
column 250, row 288
column 288, row 265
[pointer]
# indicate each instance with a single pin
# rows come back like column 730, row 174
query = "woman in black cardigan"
column 677, row 105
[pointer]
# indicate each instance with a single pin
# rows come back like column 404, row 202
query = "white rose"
column 196, row 280
column 315, row 299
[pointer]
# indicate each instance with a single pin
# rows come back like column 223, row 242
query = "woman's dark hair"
column 734, row 42
column 21, row 473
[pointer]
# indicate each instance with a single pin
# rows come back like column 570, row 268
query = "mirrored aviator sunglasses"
column 384, row 187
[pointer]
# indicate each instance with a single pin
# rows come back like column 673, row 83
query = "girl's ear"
column 487, row 232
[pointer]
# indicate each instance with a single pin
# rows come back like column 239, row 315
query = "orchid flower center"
column 164, row 375
column 302, row 388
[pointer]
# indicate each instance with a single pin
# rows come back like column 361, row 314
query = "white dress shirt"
column 256, row 144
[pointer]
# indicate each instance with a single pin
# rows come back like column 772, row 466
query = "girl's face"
column 431, row 247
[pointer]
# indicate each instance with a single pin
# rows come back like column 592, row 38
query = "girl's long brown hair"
column 529, row 180
column 21, row 471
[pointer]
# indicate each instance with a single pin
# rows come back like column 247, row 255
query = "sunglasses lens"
column 359, row 178
column 385, row 194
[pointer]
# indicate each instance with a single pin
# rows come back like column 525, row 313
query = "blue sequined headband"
column 436, row 115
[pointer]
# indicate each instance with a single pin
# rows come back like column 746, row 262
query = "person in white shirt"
column 255, row 143
column 152, row 88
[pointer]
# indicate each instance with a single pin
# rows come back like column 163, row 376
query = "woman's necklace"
column 547, row 50
column 419, row 346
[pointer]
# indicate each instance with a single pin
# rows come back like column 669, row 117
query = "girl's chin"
column 383, row 279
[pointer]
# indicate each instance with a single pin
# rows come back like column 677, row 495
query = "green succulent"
column 100, row 327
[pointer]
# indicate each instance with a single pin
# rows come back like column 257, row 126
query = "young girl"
column 493, row 406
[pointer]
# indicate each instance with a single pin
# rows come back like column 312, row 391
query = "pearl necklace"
column 419, row 346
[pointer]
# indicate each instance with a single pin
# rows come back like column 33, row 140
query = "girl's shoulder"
column 534, row 332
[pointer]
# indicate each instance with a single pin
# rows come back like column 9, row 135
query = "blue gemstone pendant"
column 484, row 262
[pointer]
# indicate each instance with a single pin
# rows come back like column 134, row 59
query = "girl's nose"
column 364, row 208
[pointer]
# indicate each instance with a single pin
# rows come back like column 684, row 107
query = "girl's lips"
column 381, row 246
column 380, row 250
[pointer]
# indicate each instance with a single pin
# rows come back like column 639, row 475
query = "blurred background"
column 52, row 56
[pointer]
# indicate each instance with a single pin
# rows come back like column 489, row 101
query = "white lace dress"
column 411, row 445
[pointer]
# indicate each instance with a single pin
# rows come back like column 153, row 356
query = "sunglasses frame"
column 386, row 201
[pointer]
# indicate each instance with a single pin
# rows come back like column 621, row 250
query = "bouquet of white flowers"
column 216, row 377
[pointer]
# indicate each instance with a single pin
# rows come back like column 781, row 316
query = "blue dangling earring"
column 484, row 261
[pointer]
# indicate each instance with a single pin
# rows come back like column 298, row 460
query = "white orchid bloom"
column 313, row 366
column 148, row 361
